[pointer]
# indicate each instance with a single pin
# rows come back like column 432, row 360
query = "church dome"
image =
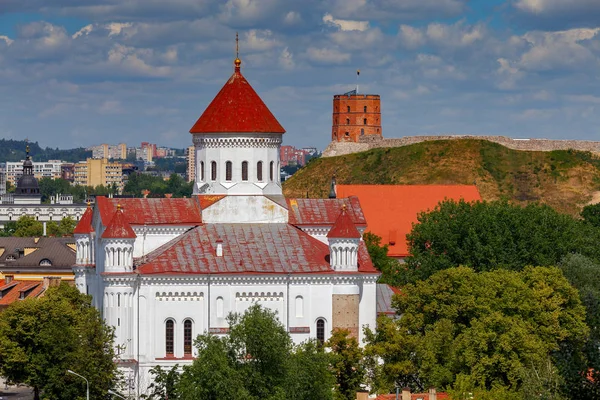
column 27, row 184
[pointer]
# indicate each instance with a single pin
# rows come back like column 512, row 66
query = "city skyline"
column 121, row 71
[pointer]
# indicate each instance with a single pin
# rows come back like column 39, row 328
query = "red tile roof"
column 247, row 248
column 207, row 200
column 85, row 223
column 391, row 210
column 237, row 108
column 12, row 292
column 119, row 228
column 323, row 212
column 343, row 227
column 161, row 211
column 414, row 396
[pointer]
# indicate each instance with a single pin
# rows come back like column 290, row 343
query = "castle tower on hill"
column 355, row 116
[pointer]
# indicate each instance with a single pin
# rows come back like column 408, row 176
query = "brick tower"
column 356, row 115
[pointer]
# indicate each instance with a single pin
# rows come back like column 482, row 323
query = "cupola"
column 117, row 243
column 343, row 240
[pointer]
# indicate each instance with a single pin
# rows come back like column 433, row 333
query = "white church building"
column 163, row 271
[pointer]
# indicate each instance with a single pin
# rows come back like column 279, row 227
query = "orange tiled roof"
column 390, row 210
column 85, row 223
column 414, row 396
column 11, row 292
column 343, row 227
column 119, row 228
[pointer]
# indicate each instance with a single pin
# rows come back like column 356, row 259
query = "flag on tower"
column 358, row 72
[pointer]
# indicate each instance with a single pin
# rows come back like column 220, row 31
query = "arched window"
column 365, row 109
column 259, row 171
column 347, row 121
column 271, row 171
column 169, row 337
column 364, row 121
column 348, row 108
column 213, row 170
column 228, row 170
column 220, row 306
column 187, row 337
column 321, row 330
column 299, row 307
column 362, row 132
column 201, row 170
column 244, row 170
column 45, row 263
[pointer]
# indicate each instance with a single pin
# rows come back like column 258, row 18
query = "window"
column 347, row 134
column 244, row 170
column 201, row 170
column 45, row 263
column 187, row 337
column 347, row 121
column 220, row 308
column 348, row 108
column 228, row 170
column 213, row 170
column 321, row 330
column 169, row 336
column 364, row 121
column 259, row 171
column 362, row 132
column 365, row 109
column 271, row 171
column 299, row 307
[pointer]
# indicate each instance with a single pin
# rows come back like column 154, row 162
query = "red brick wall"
column 351, row 121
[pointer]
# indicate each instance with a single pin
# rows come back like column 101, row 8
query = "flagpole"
column 357, row 75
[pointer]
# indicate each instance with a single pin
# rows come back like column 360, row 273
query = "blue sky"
column 78, row 73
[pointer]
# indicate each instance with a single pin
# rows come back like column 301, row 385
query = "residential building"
column 94, row 172
column 43, row 169
column 2, row 179
column 12, row 290
column 115, row 152
column 190, row 156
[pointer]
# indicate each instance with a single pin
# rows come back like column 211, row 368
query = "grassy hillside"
column 566, row 180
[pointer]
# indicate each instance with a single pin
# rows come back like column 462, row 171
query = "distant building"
column 2, row 179
column 355, row 116
column 115, row 152
column 292, row 156
column 46, row 169
column 12, row 290
column 94, row 172
column 190, row 157
column 67, row 172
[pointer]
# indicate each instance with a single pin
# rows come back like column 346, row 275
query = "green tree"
column 490, row 235
column 379, row 255
column 591, row 214
column 490, row 326
column 64, row 228
column 256, row 361
column 9, row 229
column 346, row 363
column 28, row 226
column 40, row 338
column 164, row 385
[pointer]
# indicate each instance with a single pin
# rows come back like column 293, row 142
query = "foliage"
column 256, row 361
column 379, row 255
column 175, row 185
column 561, row 179
column 14, row 150
column 591, row 214
column 489, row 326
column 40, row 338
column 164, row 385
column 9, row 229
column 51, row 187
column 28, row 226
column 65, row 227
column 489, row 235
column 347, row 364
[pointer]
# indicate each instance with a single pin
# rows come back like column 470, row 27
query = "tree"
column 64, row 228
column 256, row 361
column 40, row 338
column 164, row 385
column 490, row 235
column 489, row 326
column 28, row 226
column 347, row 364
column 379, row 255
column 591, row 214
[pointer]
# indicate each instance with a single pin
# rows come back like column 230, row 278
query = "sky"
column 84, row 72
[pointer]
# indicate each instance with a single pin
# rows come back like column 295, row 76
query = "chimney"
column 51, row 281
column 406, row 394
column 362, row 395
column 8, row 279
column 44, row 226
column 219, row 248
column 432, row 394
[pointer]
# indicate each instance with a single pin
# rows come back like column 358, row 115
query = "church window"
column 365, row 109
column 118, row 299
column 220, row 311
column 347, row 121
column 169, row 336
column 299, row 307
column 348, row 108
column 187, row 337
column 364, row 121
column 259, row 171
column 213, row 170
column 244, row 170
column 321, row 330
column 272, row 171
column 228, row 170
column 201, row 170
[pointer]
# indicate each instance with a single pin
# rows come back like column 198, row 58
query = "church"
column 164, row 270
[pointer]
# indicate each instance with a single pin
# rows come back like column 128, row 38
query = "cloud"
column 346, row 25
column 327, row 56
column 558, row 14
column 6, row 39
column 389, row 10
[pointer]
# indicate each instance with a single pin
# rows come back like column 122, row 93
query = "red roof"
column 323, row 212
column 12, row 291
column 391, row 210
column 247, row 248
column 84, row 225
column 343, row 227
column 237, row 109
column 119, row 228
column 161, row 211
column 414, row 396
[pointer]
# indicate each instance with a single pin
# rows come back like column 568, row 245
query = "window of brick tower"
column 347, row 121
column 362, row 132
column 244, row 170
column 347, row 134
column 365, row 108
column 228, row 170
column 213, row 170
column 364, row 121
column 348, row 108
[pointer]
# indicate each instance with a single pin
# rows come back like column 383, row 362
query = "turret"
column 117, row 243
column 343, row 241
column 83, row 238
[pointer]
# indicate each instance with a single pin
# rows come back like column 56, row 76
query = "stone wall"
column 367, row 143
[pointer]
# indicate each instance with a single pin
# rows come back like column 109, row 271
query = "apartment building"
column 190, row 156
column 116, row 152
column 94, row 172
column 47, row 169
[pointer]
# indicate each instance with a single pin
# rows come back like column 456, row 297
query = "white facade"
column 47, row 169
column 42, row 212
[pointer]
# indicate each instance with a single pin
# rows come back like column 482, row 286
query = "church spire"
column 237, row 62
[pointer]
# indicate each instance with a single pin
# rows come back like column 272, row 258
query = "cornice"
column 237, row 141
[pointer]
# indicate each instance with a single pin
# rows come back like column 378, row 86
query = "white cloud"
column 554, row 6
column 411, row 37
column 6, row 39
column 327, row 56
column 346, row 25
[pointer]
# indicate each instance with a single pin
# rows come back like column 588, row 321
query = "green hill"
column 14, row 150
column 564, row 179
